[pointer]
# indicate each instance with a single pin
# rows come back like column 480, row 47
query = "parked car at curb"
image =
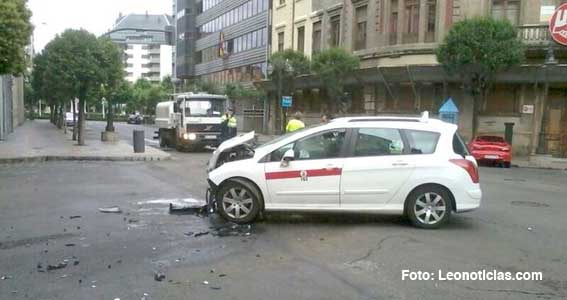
column 69, row 119
column 416, row 167
column 491, row 149
column 135, row 119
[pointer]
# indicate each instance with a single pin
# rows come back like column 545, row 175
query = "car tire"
column 238, row 201
column 506, row 164
column 425, row 210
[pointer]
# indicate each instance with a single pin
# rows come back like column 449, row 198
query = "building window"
column 431, row 20
column 411, row 24
column 301, row 39
column 394, row 22
column 316, row 38
column 335, row 31
column 360, row 34
column 506, row 10
column 280, row 41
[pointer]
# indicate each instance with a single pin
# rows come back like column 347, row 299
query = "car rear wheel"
column 429, row 207
column 238, row 202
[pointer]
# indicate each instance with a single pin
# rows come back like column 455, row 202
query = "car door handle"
column 399, row 164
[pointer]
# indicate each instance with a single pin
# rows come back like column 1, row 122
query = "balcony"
column 536, row 35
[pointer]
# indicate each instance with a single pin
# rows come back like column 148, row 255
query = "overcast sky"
column 51, row 17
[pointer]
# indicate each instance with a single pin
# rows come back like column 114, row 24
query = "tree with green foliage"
column 111, row 63
column 15, row 32
column 476, row 50
column 285, row 67
column 332, row 66
column 77, row 65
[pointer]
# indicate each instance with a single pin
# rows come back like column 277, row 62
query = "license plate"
column 210, row 137
column 491, row 156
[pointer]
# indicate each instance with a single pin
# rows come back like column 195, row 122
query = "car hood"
column 227, row 145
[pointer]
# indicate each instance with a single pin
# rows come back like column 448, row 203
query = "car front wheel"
column 429, row 207
column 238, row 202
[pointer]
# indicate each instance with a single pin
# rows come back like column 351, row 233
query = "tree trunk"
column 81, row 122
column 52, row 113
column 60, row 116
column 74, row 120
column 109, row 118
column 476, row 106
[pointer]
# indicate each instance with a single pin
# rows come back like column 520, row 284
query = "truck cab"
column 191, row 121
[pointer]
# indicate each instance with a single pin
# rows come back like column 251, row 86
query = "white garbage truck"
column 191, row 121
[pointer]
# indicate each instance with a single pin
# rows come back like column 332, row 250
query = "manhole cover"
column 529, row 204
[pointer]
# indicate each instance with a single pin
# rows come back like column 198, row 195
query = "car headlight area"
column 189, row 136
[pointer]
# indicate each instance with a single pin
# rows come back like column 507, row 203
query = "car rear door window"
column 459, row 147
column 378, row 142
column 422, row 142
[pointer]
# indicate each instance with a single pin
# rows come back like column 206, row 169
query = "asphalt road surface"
column 49, row 215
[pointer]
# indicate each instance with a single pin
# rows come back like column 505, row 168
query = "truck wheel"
column 238, row 202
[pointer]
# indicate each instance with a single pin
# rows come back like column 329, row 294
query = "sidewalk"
column 540, row 162
column 40, row 140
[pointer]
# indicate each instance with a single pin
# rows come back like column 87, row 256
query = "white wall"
column 136, row 61
column 166, row 61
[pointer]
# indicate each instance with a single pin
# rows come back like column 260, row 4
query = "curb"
column 45, row 158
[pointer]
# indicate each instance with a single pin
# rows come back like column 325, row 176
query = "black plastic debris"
column 222, row 275
column 6, row 277
column 110, row 210
column 198, row 234
column 57, row 266
column 215, row 287
column 75, row 217
column 159, row 276
column 231, row 229
column 190, row 233
column 76, row 263
column 70, row 245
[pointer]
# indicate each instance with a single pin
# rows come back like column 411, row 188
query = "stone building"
column 396, row 42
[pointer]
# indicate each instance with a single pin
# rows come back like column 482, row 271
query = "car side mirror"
column 288, row 156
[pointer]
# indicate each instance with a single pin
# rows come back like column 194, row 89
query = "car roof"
column 415, row 123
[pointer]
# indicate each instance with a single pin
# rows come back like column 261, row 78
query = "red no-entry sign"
column 558, row 25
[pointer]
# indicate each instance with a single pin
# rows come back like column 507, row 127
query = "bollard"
column 139, row 141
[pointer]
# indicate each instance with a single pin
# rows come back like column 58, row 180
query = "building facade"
column 147, row 44
column 12, row 111
column 396, row 41
column 222, row 41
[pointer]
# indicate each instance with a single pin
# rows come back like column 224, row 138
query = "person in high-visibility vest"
column 232, row 123
column 295, row 123
column 229, row 123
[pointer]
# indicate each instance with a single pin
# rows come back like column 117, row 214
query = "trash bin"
column 139, row 142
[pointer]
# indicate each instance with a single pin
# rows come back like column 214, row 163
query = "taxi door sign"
column 558, row 25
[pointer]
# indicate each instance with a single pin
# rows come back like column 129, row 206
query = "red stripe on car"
column 310, row 173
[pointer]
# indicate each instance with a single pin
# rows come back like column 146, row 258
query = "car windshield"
column 204, row 108
column 488, row 138
column 285, row 136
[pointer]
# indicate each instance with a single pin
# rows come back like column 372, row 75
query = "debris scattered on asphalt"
column 159, row 276
column 222, row 275
column 205, row 282
column 58, row 266
column 76, row 263
column 131, row 221
column 145, row 297
column 64, row 276
column 190, row 233
column 530, row 229
column 231, row 229
column 111, row 209
column 198, row 234
column 187, row 206
column 70, row 245
column 93, row 286
column 109, row 266
column 212, row 270
column 75, row 217
column 215, row 287
column 6, row 277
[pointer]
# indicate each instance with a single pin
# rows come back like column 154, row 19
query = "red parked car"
column 491, row 149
